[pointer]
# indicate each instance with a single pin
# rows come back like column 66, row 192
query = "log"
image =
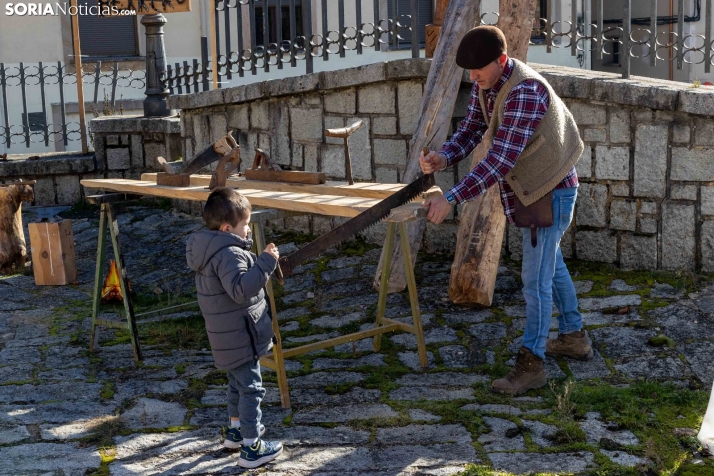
column 433, row 30
column 13, row 251
column 437, row 107
column 53, row 258
column 482, row 224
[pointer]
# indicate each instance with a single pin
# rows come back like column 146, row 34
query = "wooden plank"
column 330, row 187
column 304, row 349
column 437, row 107
column 330, row 205
column 53, row 260
column 80, row 83
column 286, row 176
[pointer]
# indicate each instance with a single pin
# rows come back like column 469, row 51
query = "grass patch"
column 107, row 391
column 186, row 333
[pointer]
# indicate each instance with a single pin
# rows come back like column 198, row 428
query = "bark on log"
column 482, row 223
column 437, row 107
column 13, row 251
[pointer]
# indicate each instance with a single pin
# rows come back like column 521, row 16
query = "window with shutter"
column 426, row 15
column 107, row 36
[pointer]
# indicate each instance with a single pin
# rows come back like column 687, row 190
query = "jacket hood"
column 203, row 245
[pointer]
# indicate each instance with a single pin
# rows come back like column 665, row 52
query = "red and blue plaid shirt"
column 524, row 108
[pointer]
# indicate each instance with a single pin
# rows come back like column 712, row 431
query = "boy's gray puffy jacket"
column 230, row 282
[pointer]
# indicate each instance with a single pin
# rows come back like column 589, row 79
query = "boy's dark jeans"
column 245, row 392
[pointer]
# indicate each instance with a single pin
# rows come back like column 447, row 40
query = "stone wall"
column 124, row 147
column 647, row 174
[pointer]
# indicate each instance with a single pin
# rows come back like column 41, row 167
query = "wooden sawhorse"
column 399, row 216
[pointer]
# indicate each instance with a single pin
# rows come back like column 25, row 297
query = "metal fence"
column 57, row 80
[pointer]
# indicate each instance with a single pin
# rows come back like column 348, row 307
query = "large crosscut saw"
column 351, row 227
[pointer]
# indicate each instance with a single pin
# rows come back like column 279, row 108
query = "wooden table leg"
column 123, row 281
column 98, row 275
column 259, row 245
column 413, row 296
column 382, row 302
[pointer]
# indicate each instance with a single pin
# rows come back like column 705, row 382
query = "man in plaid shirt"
column 509, row 101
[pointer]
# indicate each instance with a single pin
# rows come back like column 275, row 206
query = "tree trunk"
column 437, row 108
column 13, row 252
column 480, row 235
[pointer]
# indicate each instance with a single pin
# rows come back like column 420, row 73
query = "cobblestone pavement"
column 636, row 405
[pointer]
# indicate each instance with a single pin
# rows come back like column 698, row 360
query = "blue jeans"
column 245, row 392
column 546, row 278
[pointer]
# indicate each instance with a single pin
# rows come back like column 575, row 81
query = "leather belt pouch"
column 536, row 215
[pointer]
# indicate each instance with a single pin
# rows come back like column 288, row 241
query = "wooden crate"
column 53, row 259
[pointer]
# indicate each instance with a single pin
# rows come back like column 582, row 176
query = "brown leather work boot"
column 526, row 374
column 575, row 345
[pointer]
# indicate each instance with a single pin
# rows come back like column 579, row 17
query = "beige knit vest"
column 552, row 150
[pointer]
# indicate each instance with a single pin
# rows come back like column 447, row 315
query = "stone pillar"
column 155, row 104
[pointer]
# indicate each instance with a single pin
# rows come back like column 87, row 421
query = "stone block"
column 594, row 135
column 408, row 68
column 638, row 252
column 623, row 215
column 201, row 134
column 390, row 152
column 681, row 133
column 361, row 150
column 238, row 117
column 704, row 132
column 596, row 246
column 300, row 224
column 385, row 175
column 136, row 150
column 567, row 84
column 707, row 199
column 306, row 124
column 584, row 166
column 188, row 151
column 244, row 93
column 118, row 159
column 259, row 115
column 708, row 246
column 312, row 153
column 409, row 96
column 649, row 208
column 292, row 85
column 279, row 116
column 385, row 125
column 678, row 236
column 377, row 99
column 334, row 122
column 620, row 189
column 345, row 78
column 650, row 172
column 632, row 92
column 312, row 100
column 343, row 102
column 591, row 206
column 333, row 161
column 112, row 139
column 68, row 189
column 44, row 191
column 124, row 139
column 153, row 150
column 683, row 192
column 214, row 97
column 219, row 126
column 692, row 164
column 642, row 116
column 612, row 163
column 321, row 224
column 619, row 125
column 648, row 225
column 186, row 125
column 697, row 101
column 588, row 114
column 298, row 157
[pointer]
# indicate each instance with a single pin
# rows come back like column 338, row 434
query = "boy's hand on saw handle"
column 272, row 250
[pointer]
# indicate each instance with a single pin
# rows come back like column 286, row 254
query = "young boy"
column 230, row 282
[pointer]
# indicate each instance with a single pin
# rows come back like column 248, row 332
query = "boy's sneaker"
column 259, row 453
column 233, row 438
